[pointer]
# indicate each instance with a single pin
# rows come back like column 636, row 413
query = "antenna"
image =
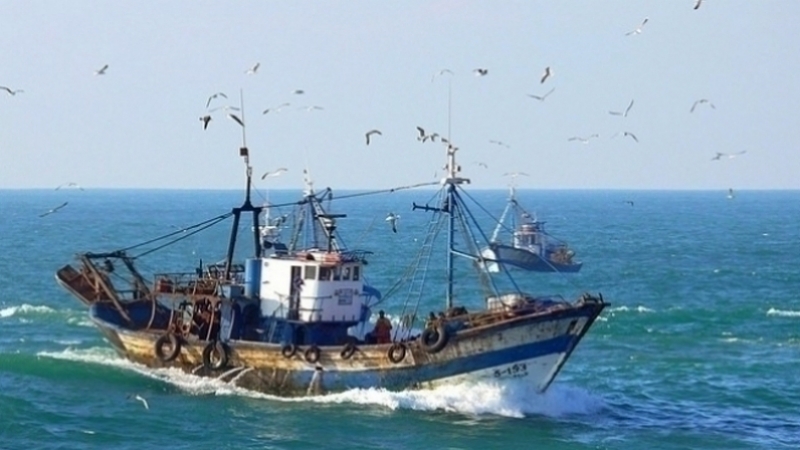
column 244, row 152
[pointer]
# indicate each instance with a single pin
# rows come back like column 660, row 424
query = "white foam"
column 25, row 309
column 783, row 313
column 641, row 309
column 515, row 398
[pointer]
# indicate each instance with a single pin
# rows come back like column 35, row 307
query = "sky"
column 374, row 65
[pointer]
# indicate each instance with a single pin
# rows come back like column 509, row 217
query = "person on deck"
column 383, row 329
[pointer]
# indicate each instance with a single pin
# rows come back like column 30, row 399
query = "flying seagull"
column 392, row 219
column 312, row 108
column 482, row 164
column 584, row 140
column 276, row 108
column 546, row 74
column 298, row 92
column 515, row 174
column 213, row 96
column 11, row 91
column 424, row 137
column 102, row 70
column 701, row 101
column 541, row 97
column 53, row 210
column 638, row 29
column 274, row 173
column 141, row 399
column 625, row 113
column 628, row 133
column 492, row 141
column 697, row 4
column 253, row 70
column 236, row 119
column 479, row 72
column 720, row 155
column 629, row 202
column 205, row 119
column 71, row 184
column 371, row 132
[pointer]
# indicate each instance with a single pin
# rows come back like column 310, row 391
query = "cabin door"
column 294, row 292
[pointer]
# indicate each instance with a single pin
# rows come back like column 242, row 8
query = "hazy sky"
column 369, row 64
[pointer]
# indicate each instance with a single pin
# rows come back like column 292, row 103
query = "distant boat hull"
column 529, row 345
column 527, row 260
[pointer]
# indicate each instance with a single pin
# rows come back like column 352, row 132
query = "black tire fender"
column 397, row 352
column 312, row 354
column 434, row 338
column 219, row 351
column 288, row 350
column 348, row 351
column 174, row 347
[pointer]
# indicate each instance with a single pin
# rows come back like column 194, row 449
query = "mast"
column 450, row 208
column 247, row 206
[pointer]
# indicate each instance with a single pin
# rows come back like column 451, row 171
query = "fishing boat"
column 290, row 319
column 530, row 246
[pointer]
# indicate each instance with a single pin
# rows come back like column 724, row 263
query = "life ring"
column 434, row 338
column 348, row 351
column 288, row 350
column 397, row 352
column 220, row 354
column 172, row 344
column 312, row 354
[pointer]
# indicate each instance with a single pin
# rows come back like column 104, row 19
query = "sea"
column 699, row 348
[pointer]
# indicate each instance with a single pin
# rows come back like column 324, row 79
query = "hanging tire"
column 397, row 352
column 434, row 338
column 215, row 356
column 288, row 350
column 348, row 351
column 167, row 347
column 312, row 354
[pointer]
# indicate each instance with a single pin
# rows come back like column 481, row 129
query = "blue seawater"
column 700, row 348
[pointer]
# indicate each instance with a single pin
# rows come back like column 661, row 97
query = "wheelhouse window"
column 311, row 273
column 356, row 273
column 325, row 274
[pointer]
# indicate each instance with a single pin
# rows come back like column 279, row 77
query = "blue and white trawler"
column 286, row 320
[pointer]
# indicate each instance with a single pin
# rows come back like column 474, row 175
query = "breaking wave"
column 783, row 313
column 25, row 309
column 512, row 399
column 641, row 309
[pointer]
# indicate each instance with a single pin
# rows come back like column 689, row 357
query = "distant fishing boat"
column 529, row 246
column 289, row 319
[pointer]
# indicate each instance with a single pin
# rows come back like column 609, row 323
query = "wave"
column 515, row 398
column 641, row 309
column 783, row 313
column 25, row 309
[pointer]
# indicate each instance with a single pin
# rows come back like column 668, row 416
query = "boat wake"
column 512, row 399
column 25, row 309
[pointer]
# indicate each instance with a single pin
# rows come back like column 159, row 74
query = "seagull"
column 312, row 108
column 584, row 140
column 541, row 97
column 515, row 174
column 546, row 74
column 102, row 70
column 628, row 133
column 392, row 219
column 491, row 141
column 638, row 29
column 274, row 173
column 697, row 4
column 298, row 92
column 482, row 164
column 236, row 119
column 701, row 101
column 141, row 399
column 212, row 97
column 629, row 202
column 253, row 70
column 424, row 137
column 205, row 119
column 276, row 108
column 11, row 91
column 623, row 114
column 371, row 132
column 53, row 210
column 719, row 155
column 441, row 72
column 71, row 184
column 479, row 72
